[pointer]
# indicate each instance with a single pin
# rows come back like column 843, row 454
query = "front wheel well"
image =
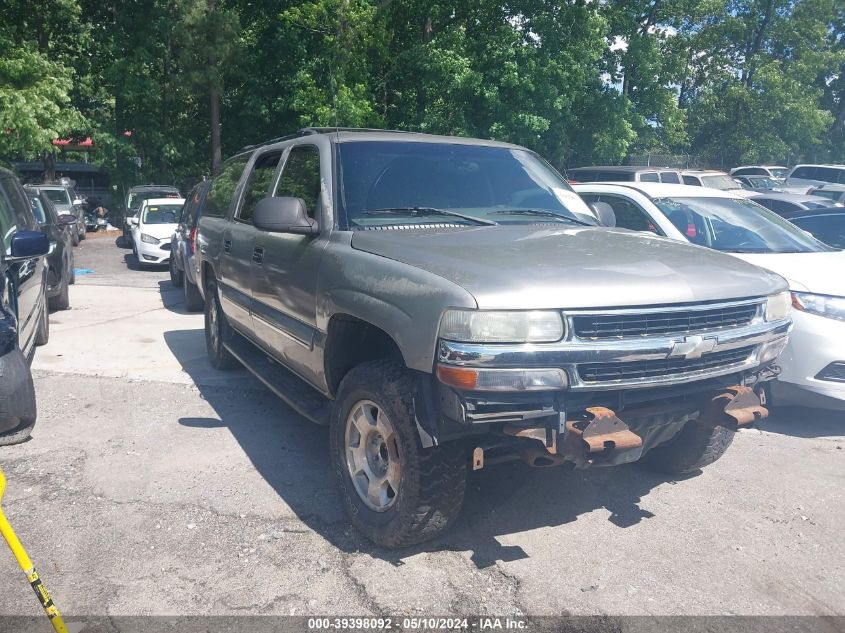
column 351, row 341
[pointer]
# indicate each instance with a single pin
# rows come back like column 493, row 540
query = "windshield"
column 735, row 226
column 779, row 172
column 761, row 182
column 829, row 194
column 135, row 199
column 725, row 183
column 161, row 214
column 405, row 183
column 58, row 196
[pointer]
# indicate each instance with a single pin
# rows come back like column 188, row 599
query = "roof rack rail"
column 306, row 131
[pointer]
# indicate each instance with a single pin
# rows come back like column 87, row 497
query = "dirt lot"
column 156, row 485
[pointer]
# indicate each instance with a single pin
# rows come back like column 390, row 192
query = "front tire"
column 694, row 447
column 396, row 492
column 217, row 330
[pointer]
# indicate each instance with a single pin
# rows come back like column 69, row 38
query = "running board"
column 301, row 397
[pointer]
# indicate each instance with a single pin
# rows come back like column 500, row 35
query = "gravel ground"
column 163, row 487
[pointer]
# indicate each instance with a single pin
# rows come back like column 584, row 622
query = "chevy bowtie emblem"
column 692, row 347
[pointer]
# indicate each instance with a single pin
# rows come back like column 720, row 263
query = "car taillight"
column 193, row 240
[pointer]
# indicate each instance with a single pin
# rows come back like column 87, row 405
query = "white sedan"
column 813, row 362
column 152, row 229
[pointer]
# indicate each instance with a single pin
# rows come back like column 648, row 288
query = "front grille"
column 610, row 372
column 835, row 372
column 610, row 326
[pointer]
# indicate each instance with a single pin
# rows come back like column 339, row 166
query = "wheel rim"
column 372, row 455
column 213, row 319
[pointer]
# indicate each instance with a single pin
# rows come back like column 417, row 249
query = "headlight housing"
column 149, row 239
column 822, row 305
column 500, row 326
column 778, row 306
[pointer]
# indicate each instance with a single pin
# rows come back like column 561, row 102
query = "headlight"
column 149, row 239
column 501, row 327
column 823, row 305
column 778, row 306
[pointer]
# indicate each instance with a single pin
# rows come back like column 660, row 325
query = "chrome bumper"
column 572, row 352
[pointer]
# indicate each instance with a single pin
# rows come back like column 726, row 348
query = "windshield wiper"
column 541, row 212
column 426, row 211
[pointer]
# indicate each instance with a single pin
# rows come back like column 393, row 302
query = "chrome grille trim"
column 682, row 319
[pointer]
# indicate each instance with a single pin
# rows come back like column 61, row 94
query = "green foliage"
column 582, row 82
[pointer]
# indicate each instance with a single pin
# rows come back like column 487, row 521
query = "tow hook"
column 739, row 407
column 600, row 436
column 534, row 453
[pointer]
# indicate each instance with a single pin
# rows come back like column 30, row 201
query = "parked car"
column 710, row 178
column 152, row 230
column 436, row 300
column 136, row 195
column 24, row 322
column 758, row 184
column 183, row 247
column 803, row 177
column 59, row 230
column 775, row 172
column 624, row 173
column 835, row 193
column 784, row 202
column 814, row 360
column 65, row 200
column 826, row 225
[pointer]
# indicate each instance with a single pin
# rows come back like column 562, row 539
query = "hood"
column 536, row 267
column 821, row 273
column 160, row 231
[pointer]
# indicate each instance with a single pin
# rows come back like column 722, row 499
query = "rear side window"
column 301, row 177
column 649, row 176
column 751, row 171
column 691, row 180
column 20, row 205
column 615, row 176
column 806, row 173
column 670, row 176
column 258, row 184
column 830, row 174
column 829, row 229
column 38, row 210
column 223, row 187
column 781, row 206
column 583, row 176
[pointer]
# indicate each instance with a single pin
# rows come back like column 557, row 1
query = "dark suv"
column 59, row 229
column 24, row 322
column 444, row 302
column 183, row 247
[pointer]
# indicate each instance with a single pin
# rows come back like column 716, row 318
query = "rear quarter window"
column 649, row 176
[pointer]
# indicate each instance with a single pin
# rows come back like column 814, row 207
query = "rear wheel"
column 694, row 447
column 396, row 492
column 42, row 334
column 62, row 300
column 177, row 277
column 193, row 298
column 217, row 330
column 82, row 234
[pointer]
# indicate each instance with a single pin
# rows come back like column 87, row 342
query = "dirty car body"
column 467, row 277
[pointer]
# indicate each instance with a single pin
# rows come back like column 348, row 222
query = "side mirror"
column 28, row 244
column 66, row 219
column 133, row 221
column 604, row 212
column 284, row 215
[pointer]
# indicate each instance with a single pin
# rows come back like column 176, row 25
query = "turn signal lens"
column 472, row 379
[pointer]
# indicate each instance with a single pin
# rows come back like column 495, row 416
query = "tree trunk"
column 214, row 107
